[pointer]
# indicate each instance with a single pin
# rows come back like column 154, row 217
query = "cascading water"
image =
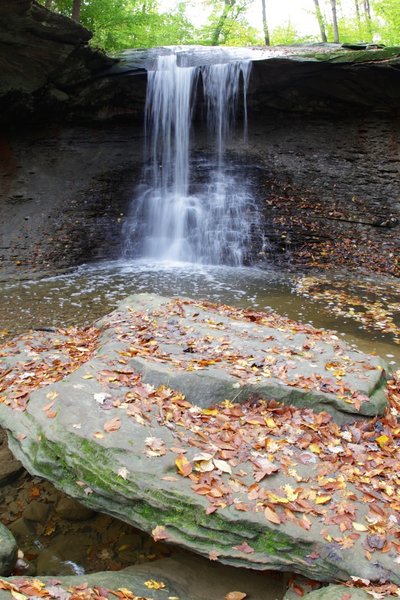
column 169, row 220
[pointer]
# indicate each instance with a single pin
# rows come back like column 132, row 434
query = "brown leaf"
column 244, row 548
column 272, row 516
column 235, row 596
column 112, row 425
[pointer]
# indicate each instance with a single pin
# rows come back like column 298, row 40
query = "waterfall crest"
column 172, row 219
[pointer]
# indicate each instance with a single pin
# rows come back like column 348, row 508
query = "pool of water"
column 364, row 310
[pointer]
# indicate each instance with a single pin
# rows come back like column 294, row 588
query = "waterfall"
column 173, row 219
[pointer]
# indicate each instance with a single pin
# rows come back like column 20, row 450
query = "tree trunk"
column 335, row 22
column 221, row 22
column 76, row 10
column 265, row 24
column 358, row 13
column 320, row 19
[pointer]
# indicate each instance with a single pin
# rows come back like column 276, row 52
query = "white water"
column 175, row 216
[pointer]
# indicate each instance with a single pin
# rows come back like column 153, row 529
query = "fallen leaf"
column 152, row 584
column 112, row 425
column 184, row 466
column 235, row 596
column 272, row 516
column 159, row 533
column 244, row 548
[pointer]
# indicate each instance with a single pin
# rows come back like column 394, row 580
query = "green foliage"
column 387, row 23
column 119, row 24
column 287, row 34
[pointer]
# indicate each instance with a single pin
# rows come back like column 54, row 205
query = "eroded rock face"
column 256, row 484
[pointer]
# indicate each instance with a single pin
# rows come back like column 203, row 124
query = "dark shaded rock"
column 36, row 511
column 8, row 550
column 71, row 510
column 10, row 467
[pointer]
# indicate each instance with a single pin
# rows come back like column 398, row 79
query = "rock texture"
column 150, row 457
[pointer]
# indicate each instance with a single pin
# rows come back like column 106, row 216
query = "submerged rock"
column 257, row 484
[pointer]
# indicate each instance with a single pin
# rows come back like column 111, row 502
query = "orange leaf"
column 184, row 466
column 235, row 596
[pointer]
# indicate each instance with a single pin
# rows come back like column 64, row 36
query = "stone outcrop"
column 257, row 484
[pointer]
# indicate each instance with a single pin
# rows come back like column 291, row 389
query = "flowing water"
column 175, row 217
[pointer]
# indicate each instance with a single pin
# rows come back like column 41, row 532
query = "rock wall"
column 323, row 148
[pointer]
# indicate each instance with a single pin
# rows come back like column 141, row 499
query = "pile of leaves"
column 24, row 589
column 51, row 358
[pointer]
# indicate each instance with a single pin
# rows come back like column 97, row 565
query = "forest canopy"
column 120, row 24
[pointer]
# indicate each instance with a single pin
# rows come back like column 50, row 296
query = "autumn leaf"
column 152, row 584
column 184, row 466
column 244, row 548
column 213, row 555
column 235, row 596
column 112, row 425
column 159, row 533
column 272, row 516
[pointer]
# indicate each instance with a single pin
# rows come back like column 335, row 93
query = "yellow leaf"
column 18, row 596
column 314, row 448
column 322, row 499
column 152, row 584
column 52, row 395
column 270, row 423
column 382, row 440
column 359, row 527
column 212, row 412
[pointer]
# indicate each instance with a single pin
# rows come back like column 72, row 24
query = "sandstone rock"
column 8, row 550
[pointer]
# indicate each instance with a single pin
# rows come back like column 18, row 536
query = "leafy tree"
column 387, row 26
column 287, row 34
column 119, row 24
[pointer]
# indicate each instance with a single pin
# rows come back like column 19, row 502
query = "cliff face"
column 324, row 131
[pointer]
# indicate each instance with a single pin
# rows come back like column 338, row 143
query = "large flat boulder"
column 258, row 483
column 213, row 353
